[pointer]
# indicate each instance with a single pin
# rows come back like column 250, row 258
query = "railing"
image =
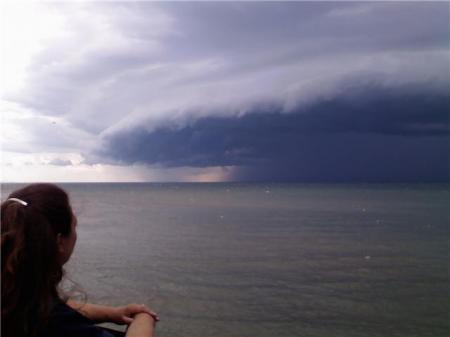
column 114, row 332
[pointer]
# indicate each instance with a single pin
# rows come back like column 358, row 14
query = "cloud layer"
column 371, row 135
column 279, row 90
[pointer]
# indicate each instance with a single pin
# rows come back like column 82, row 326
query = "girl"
column 38, row 235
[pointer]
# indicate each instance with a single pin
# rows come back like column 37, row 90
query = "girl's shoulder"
column 67, row 322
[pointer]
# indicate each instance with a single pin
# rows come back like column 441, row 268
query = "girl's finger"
column 153, row 314
column 127, row 320
column 150, row 312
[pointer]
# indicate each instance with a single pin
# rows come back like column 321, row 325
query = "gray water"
column 251, row 260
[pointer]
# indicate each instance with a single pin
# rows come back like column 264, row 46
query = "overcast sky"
column 207, row 91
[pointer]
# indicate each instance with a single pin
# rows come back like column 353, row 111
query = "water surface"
column 261, row 260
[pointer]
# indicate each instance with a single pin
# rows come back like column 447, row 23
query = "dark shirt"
column 67, row 322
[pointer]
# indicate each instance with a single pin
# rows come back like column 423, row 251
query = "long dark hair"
column 31, row 267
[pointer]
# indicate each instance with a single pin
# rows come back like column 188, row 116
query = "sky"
column 225, row 91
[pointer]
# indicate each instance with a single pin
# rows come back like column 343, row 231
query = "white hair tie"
column 19, row 201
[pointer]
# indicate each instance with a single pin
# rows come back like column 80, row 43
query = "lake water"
column 251, row 260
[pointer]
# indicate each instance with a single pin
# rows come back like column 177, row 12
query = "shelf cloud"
column 295, row 91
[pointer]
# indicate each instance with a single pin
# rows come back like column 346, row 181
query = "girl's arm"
column 118, row 315
column 142, row 326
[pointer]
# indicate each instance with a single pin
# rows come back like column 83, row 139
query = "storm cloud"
column 302, row 91
column 373, row 134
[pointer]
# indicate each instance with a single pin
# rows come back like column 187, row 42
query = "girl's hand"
column 125, row 314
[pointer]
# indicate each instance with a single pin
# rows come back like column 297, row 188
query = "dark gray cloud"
column 358, row 158
column 280, row 90
column 367, row 134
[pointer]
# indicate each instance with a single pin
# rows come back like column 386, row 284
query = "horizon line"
column 233, row 182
